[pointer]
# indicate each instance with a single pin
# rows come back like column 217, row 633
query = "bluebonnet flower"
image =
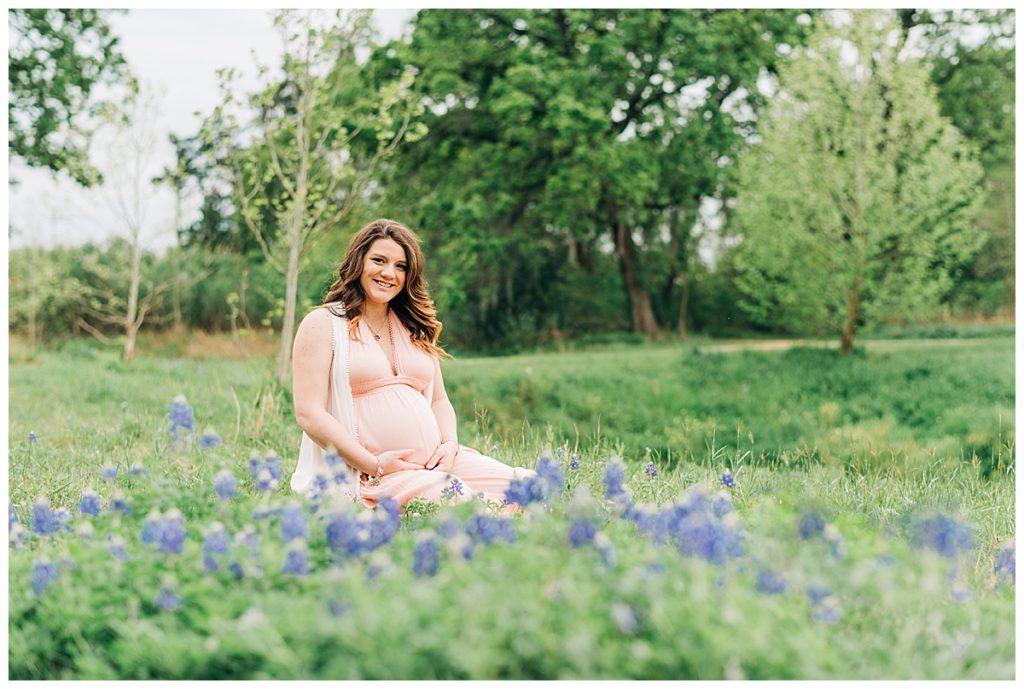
column 425, row 557
column 273, row 464
column 44, row 573
column 651, row 470
column 215, row 543
column 108, row 472
column 581, row 532
column 721, row 505
column 550, row 473
column 296, row 561
column 699, row 533
column 17, row 536
column 90, row 503
column 166, row 531
column 337, row 608
column 264, row 512
column 151, row 527
column 487, row 529
column 44, row 521
column 614, row 479
column 119, row 503
column 32, row 437
column 625, row 618
column 448, row 527
column 137, row 469
column 560, row 451
column 225, row 485
column 523, row 491
column 828, row 612
column 343, row 534
column 293, row 523
column 835, row 540
column 811, row 524
column 63, row 515
column 116, row 546
column 265, row 481
column 817, row 593
column 574, row 462
column 390, row 507
column 943, row 534
column 167, row 599
column 727, row 479
column 209, row 439
column 378, row 563
column 236, row 569
column 1006, row 563
column 180, row 415
column 770, row 581
column 451, row 489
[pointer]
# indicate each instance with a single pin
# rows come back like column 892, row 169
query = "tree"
column 313, row 146
column 558, row 136
column 120, row 293
column 859, row 204
column 59, row 59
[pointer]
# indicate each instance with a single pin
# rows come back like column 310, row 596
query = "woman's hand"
column 444, row 456
column 394, row 460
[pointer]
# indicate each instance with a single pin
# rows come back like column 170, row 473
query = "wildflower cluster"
column 182, row 423
column 266, row 473
column 166, row 531
column 943, row 534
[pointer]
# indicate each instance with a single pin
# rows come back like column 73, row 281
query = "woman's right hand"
column 394, row 460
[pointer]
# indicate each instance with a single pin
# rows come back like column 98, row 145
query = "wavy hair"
column 413, row 306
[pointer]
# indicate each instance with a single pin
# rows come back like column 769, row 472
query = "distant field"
column 904, row 454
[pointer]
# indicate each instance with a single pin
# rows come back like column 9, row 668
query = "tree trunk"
column 684, row 303
column 130, row 326
column 639, row 300
column 853, row 309
column 291, row 289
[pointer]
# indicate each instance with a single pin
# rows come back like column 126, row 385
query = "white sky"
column 177, row 52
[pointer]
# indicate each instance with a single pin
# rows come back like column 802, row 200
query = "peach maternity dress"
column 393, row 412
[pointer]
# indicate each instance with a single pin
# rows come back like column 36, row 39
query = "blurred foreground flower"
column 811, row 524
column 90, row 503
column 296, row 561
column 574, row 462
column 44, row 573
column 32, row 437
column 182, row 426
column 215, row 544
column 44, row 520
column 293, row 523
column 425, row 556
column 225, row 485
column 108, row 472
column 1006, row 563
column 209, row 439
column 167, row 531
column 770, row 581
column 943, row 534
column 167, row 599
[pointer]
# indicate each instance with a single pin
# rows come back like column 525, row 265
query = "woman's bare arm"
column 443, row 410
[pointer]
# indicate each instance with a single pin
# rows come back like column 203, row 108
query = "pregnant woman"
column 367, row 383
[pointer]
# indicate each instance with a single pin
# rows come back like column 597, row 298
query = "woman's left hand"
column 444, row 456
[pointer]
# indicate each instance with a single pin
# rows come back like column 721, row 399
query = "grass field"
column 868, row 534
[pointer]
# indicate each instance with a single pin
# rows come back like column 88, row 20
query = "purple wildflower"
column 523, row 491
column 486, row 529
column 117, row 550
column 296, row 561
column 215, row 543
column 727, row 479
column 265, row 481
column 44, row 521
column 119, row 503
column 581, row 532
column 943, row 534
column 180, row 415
column 721, row 505
column 574, row 462
column 811, row 524
column 108, row 472
column 425, row 557
column 828, row 612
column 273, row 464
column 451, row 489
column 137, row 469
column 225, row 485
column 90, row 503
column 209, row 439
column 614, row 479
column 44, row 573
column 32, row 437
column 166, row 599
column 550, row 473
column 651, row 470
column 1006, row 563
column 293, row 523
column 817, row 593
column 770, row 581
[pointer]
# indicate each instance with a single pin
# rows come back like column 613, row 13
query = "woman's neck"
column 375, row 312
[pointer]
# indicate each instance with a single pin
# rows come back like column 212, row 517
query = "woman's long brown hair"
column 413, row 306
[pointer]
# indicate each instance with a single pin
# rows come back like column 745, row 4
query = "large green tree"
column 58, row 59
column 566, row 142
column 860, row 202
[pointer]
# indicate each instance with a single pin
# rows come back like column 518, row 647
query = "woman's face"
column 383, row 271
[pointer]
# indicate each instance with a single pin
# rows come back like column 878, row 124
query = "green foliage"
column 59, row 59
column 859, row 205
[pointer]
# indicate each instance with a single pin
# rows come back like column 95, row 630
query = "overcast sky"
column 176, row 52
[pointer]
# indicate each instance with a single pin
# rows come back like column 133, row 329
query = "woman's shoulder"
column 320, row 318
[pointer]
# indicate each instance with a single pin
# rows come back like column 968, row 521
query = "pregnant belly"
column 397, row 417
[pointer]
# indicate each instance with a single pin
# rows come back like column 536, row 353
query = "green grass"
column 897, row 450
